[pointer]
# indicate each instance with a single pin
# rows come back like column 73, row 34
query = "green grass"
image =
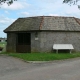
column 42, row 56
column 2, row 44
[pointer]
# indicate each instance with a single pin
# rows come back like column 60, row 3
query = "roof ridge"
column 40, row 27
column 77, row 20
column 47, row 16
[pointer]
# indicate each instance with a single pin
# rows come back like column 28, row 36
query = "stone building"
column 38, row 34
column 2, row 39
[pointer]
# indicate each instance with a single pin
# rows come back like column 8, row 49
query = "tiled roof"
column 45, row 23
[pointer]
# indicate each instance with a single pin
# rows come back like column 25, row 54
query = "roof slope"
column 45, row 23
column 25, row 24
column 61, row 23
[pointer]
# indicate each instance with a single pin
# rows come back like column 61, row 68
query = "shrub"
column 1, row 48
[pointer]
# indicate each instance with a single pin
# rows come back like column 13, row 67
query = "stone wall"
column 11, row 42
column 35, row 42
column 45, row 40
column 50, row 38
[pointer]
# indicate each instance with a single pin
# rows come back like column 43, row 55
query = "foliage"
column 74, row 2
column 71, row 1
column 9, row 2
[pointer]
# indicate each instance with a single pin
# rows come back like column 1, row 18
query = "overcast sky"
column 28, row 8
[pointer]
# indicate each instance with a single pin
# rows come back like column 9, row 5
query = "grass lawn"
column 43, row 56
column 2, row 44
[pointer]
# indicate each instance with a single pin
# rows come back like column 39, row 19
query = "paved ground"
column 15, row 69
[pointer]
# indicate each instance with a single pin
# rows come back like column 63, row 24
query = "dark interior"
column 24, row 42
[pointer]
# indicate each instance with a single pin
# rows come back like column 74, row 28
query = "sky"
column 29, row 8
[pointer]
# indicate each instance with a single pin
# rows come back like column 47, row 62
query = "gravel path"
column 16, row 69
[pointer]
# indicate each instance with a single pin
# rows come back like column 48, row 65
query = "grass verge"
column 2, row 44
column 42, row 56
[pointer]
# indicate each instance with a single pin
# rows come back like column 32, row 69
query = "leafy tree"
column 70, row 2
column 9, row 2
column 74, row 2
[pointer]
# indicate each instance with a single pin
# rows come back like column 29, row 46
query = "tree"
column 9, row 2
column 70, row 2
column 74, row 2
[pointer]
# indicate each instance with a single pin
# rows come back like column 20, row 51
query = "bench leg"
column 57, row 51
column 70, row 51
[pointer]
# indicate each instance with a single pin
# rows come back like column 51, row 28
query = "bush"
column 1, row 48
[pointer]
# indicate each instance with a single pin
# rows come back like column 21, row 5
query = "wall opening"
column 23, row 43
